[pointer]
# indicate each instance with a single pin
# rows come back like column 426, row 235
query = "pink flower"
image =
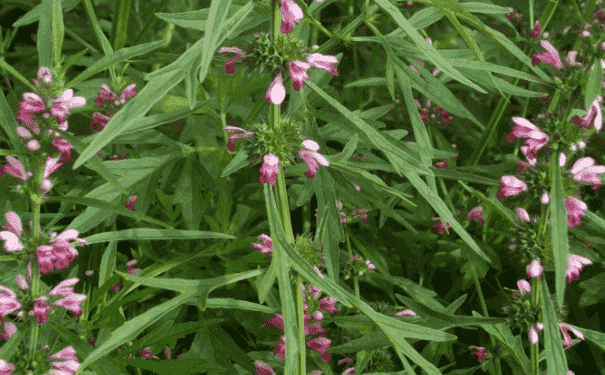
column 9, row 329
column 263, row 368
column 587, row 119
column 130, row 202
column 127, row 93
column 67, row 362
column 439, row 227
column 319, row 61
column 476, row 213
column 267, row 245
column 349, row 371
column 406, row 312
column 44, row 74
column 9, row 302
column 574, row 266
column 362, row 214
column 328, row 304
column 311, row 157
column 571, row 59
column 147, row 354
column 550, row 57
column 536, row 138
column 524, row 287
column 99, row 121
column 276, row 321
column 480, row 352
column 60, row 253
column 66, row 101
column 32, row 144
column 566, row 338
column 511, row 185
column 277, row 91
column 533, row 335
column 290, row 13
column 298, row 73
column 14, row 231
column 280, row 348
column 575, row 211
column 41, row 310
column 320, row 344
column 31, row 104
column 131, row 269
column 536, row 31
column 232, row 129
column 105, row 94
column 585, row 170
column 229, row 68
column 64, row 288
column 64, row 147
column 522, row 214
column 534, row 269
column 52, row 164
column 269, row 169
column 16, row 169
column 6, row 368
column 442, row 164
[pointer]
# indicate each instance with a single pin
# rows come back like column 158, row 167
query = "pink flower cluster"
column 533, row 333
column 34, row 109
column 16, row 169
column 59, row 252
column 298, row 71
column 62, row 295
column 108, row 99
column 319, row 344
column 575, row 264
column 270, row 167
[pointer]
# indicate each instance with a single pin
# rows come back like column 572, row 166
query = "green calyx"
column 275, row 55
column 282, row 141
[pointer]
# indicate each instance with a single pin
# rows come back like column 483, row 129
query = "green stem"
column 534, row 348
column 301, row 326
column 284, row 207
column 355, row 277
column 35, row 291
column 486, row 314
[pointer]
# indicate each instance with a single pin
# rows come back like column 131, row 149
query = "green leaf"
column 597, row 338
column 108, row 263
column 132, row 328
column 558, row 228
column 188, row 193
column 108, row 207
column 58, row 29
column 152, row 234
column 594, row 290
column 12, row 71
column 594, row 86
column 44, row 40
column 123, row 119
column 34, row 14
column 429, row 51
column 94, row 162
column 214, row 27
column 390, row 78
column 113, row 59
column 556, row 360
column 266, row 281
column 8, row 121
column 174, row 366
column 280, row 257
column 374, row 136
column 454, row 320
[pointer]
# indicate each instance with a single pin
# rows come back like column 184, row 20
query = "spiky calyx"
column 275, row 55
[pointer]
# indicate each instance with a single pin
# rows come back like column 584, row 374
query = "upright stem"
column 486, row 314
column 36, row 202
column 355, row 277
column 284, row 208
column 534, row 348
